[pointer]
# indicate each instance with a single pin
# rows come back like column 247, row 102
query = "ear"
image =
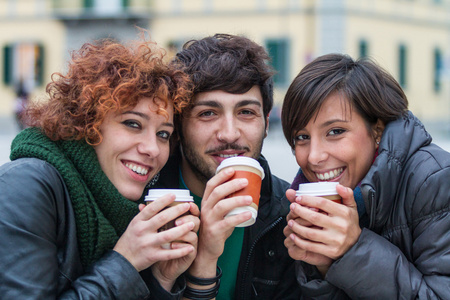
column 267, row 126
column 377, row 131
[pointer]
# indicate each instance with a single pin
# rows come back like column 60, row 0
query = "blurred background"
column 409, row 38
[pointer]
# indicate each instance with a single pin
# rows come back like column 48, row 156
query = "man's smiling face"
column 222, row 125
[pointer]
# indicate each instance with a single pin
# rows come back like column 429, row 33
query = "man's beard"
column 204, row 171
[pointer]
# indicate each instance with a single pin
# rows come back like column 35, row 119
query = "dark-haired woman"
column 70, row 220
column 348, row 122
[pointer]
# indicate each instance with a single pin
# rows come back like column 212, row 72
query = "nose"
column 229, row 131
column 148, row 145
column 317, row 151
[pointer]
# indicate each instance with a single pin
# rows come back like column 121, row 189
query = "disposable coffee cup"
column 320, row 189
column 181, row 196
column 245, row 167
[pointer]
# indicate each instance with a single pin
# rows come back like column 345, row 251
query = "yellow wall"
column 49, row 33
column 384, row 24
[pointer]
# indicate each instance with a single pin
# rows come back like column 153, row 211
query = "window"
column 363, row 48
column 23, row 62
column 437, row 70
column 402, row 61
column 105, row 6
column 278, row 52
column 7, row 61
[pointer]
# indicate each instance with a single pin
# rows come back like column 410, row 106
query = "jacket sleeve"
column 313, row 286
column 113, row 277
column 375, row 268
column 33, row 227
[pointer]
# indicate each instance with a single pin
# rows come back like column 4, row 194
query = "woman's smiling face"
column 135, row 146
column 337, row 144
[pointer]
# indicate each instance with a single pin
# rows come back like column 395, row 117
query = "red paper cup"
column 245, row 167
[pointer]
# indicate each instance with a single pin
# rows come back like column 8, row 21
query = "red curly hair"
column 106, row 76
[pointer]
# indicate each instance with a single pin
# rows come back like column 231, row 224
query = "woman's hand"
column 295, row 251
column 141, row 243
column 322, row 228
column 167, row 271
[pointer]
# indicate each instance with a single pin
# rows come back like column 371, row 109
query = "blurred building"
column 410, row 38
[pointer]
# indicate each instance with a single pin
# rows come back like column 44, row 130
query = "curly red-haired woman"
column 71, row 219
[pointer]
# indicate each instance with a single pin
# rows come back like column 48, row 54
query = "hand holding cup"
column 249, row 168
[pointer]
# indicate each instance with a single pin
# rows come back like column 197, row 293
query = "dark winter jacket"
column 265, row 269
column 405, row 251
column 39, row 257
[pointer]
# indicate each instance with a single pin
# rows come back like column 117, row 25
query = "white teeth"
column 329, row 175
column 137, row 169
column 227, row 155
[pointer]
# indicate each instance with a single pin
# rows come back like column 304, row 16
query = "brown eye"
column 132, row 124
column 336, row 131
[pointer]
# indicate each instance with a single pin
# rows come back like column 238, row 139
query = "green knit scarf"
column 101, row 213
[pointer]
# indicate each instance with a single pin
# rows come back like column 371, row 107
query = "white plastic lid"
column 182, row 195
column 317, row 188
column 241, row 161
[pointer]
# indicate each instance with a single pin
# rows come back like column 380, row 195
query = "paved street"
column 8, row 130
column 275, row 149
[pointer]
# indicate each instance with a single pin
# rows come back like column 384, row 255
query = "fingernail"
column 243, row 181
column 298, row 199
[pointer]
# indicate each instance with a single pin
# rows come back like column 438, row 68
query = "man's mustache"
column 232, row 146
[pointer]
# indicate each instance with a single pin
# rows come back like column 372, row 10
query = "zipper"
column 372, row 209
column 252, row 248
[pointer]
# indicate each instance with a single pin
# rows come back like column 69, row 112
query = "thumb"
column 347, row 195
column 290, row 194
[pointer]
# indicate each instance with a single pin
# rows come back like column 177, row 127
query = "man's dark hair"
column 230, row 63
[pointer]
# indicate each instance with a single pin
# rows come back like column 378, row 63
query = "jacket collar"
column 401, row 139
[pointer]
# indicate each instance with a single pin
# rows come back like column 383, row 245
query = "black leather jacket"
column 265, row 269
column 405, row 252
column 39, row 256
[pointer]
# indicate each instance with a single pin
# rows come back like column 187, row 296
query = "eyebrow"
column 329, row 122
column 146, row 117
column 213, row 103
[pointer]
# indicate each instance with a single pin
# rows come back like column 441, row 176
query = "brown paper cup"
column 182, row 196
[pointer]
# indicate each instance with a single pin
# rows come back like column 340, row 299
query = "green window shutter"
column 278, row 52
column 88, row 4
column 437, row 70
column 40, row 65
column 7, row 64
column 402, row 53
column 363, row 48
